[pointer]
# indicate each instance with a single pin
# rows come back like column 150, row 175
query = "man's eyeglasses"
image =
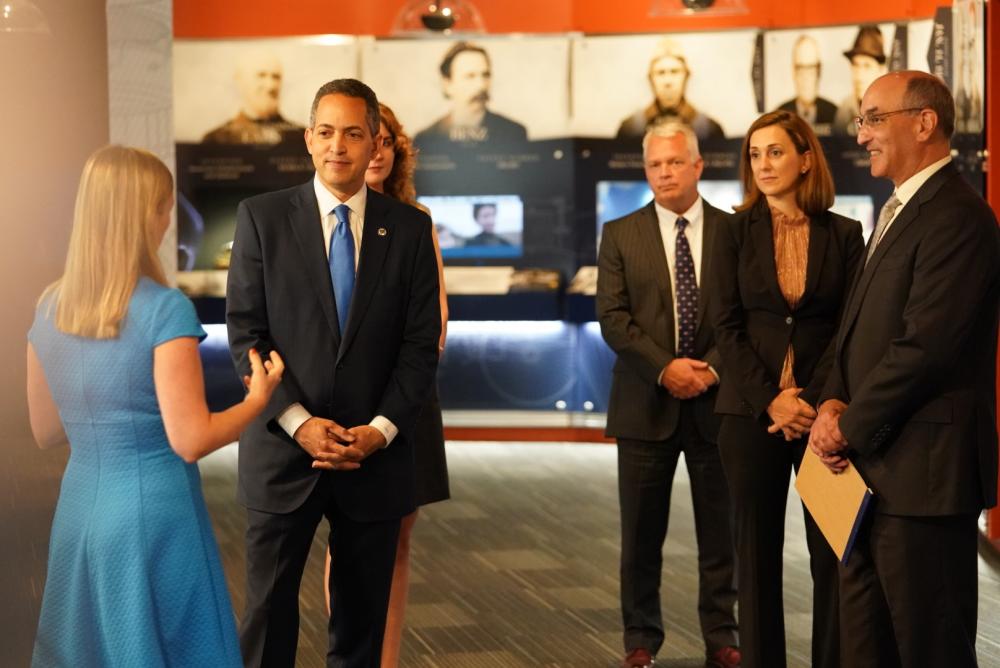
column 871, row 120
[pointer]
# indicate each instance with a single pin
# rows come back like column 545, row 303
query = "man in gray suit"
column 654, row 268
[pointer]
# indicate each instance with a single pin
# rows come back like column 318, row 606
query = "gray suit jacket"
column 636, row 311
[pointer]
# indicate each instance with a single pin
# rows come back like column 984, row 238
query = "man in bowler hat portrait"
column 867, row 58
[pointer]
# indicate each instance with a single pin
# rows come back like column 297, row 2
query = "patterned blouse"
column 791, row 256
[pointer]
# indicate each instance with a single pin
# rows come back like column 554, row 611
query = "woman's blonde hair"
column 123, row 194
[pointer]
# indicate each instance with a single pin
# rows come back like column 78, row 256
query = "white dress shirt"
column 694, row 231
column 908, row 188
column 292, row 417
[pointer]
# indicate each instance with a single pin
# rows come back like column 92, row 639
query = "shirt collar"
column 908, row 188
column 693, row 215
column 327, row 201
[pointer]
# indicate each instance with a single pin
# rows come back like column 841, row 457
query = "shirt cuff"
column 714, row 373
column 292, row 418
column 384, row 425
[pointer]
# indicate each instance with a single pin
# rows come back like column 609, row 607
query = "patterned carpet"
column 518, row 569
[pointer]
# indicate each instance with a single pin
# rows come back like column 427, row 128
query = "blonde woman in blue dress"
column 134, row 576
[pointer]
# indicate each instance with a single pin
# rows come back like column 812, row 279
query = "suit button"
column 340, row 366
column 789, row 320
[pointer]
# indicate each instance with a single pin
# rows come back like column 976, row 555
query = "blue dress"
column 134, row 576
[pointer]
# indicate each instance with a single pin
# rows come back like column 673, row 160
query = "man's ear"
column 928, row 124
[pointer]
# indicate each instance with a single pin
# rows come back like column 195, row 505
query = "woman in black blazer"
column 783, row 266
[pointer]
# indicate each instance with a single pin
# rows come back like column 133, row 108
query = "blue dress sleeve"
column 175, row 317
column 42, row 324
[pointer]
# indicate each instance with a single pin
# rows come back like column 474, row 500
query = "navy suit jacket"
column 280, row 297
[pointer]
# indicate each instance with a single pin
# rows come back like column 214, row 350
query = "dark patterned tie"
column 342, row 264
column 686, row 291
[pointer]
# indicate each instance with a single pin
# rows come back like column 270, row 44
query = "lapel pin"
column 382, row 232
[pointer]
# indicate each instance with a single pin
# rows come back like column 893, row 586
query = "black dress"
column 430, row 465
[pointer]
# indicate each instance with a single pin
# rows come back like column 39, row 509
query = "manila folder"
column 836, row 501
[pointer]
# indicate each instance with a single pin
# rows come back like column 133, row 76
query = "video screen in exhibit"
column 477, row 227
column 856, row 207
column 618, row 198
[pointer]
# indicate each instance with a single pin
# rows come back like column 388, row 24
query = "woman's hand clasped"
column 790, row 415
column 265, row 377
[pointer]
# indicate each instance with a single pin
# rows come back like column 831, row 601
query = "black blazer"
column 280, row 296
column 916, row 356
column 753, row 323
column 636, row 310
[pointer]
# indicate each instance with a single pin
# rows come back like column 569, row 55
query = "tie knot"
column 342, row 212
column 681, row 223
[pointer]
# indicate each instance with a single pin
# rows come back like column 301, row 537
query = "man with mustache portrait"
column 465, row 79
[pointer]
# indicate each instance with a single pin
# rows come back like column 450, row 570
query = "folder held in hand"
column 837, row 501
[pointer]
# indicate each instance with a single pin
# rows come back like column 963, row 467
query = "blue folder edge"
column 865, row 502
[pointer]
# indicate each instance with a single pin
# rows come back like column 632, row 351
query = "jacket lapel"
column 304, row 219
column 711, row 217
column 651, row 239
column 905, row 218
column 819, row 239
column 375, row 239
column 762, row 238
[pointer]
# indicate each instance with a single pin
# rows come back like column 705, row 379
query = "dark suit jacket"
column 916, row 356
column 753, row 323
column 826, row 111
column 494, row 129
column 636, row 310
column 280, row 297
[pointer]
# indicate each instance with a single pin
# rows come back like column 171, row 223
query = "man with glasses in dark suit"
column 911, row 399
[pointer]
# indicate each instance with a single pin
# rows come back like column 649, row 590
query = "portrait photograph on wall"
column 621, row 83
column 967, row 59
column 481, row 94
column 253, row 91
column 240, row 112
column 821, row 73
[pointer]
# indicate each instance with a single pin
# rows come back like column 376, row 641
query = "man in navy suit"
column 911, row 398
column 342, row 281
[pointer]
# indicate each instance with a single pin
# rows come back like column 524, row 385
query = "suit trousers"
column 362, row 555
column 758, row 466
column 909, row 593
column 645, row 478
